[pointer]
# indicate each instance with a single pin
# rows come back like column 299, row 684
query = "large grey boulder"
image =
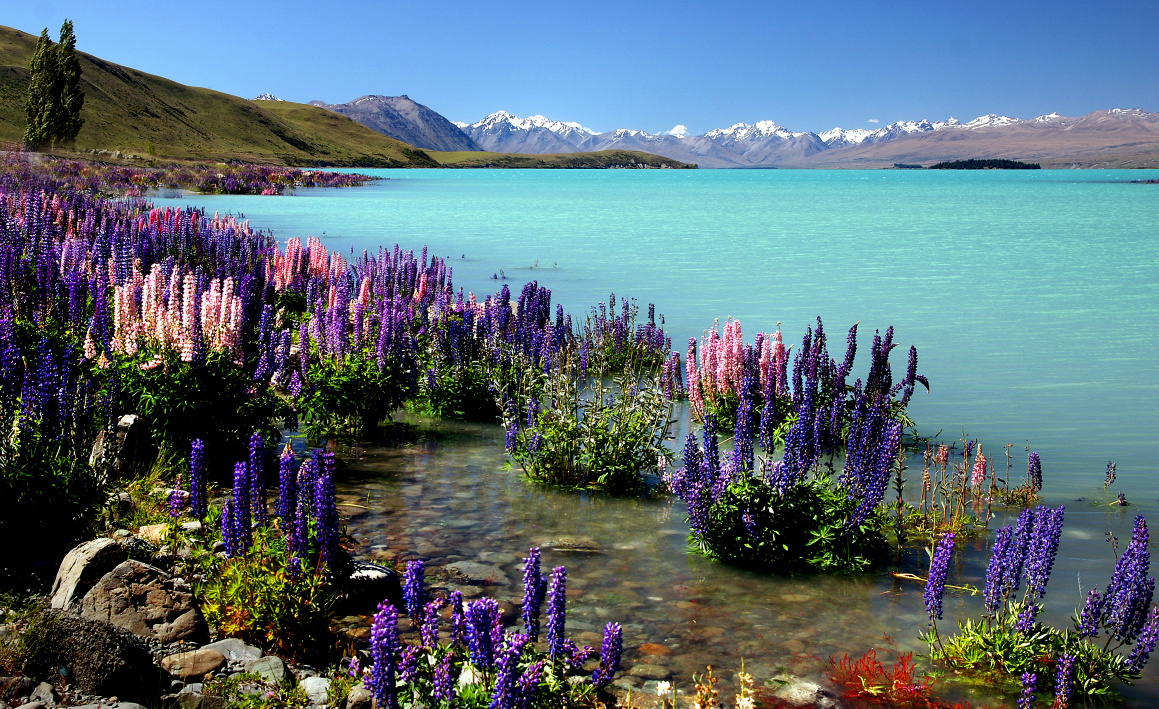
column 100, row 659
column 368, row 585
column 269, row 668
column 316, row 689
column 82, row 568
column 115, row 450
column 146, row 601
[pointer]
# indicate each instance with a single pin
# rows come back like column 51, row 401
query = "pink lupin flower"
column 978, row 474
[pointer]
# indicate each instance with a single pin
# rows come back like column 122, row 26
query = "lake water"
column 1032, row 297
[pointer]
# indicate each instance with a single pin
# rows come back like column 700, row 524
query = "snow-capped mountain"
column 267, row 96
column 501, row 131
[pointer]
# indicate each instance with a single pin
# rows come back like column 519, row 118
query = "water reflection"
column 446, row 496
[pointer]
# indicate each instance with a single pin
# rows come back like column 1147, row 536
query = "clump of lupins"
column 753, row 514
column 612, row 341
column 1017, row 643
column 211, row 179
column 482, row 658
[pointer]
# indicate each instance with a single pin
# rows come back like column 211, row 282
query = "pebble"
column 649, row 672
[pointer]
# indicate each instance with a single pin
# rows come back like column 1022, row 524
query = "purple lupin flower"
column 429, row 630
column 1145, row 643
column 1026, row 698
column 1042, row 550
column 300, row 538
column 557, row 612
column 528, row 684
column 227, row 529
column 412, row 589
column 443, row 684
column 1127, row 598
column 176, row 498
column 408, row 664
column 287, row 486
column 197, row 479
column 257, row 471
column 610, row 653
column 936, row 581
column 992, row 597
column 242, row 529
column 458, row 620
column 1026, row 618
column 1034, row 472
column 1089, row 618
column 1063, row 681
column 534, row 588
column 383, row 645
column 481, row 616
column 326, row 517
column 504, row 695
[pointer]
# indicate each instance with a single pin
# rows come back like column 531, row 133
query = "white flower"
column 662, row 688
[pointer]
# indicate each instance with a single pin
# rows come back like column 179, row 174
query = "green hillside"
column 126, row 110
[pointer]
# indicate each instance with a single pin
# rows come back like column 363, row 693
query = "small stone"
column 196, row 700
column 801, row 693
column 43, row 693
column 269, row 667
column 316, row 688
column 122, row 534
column 33, row 705
column 649, row 672
column 358, row 698
column 627, row 683
column 191, row 688
column 235, row 650
column 190, row 527
column 195, row 663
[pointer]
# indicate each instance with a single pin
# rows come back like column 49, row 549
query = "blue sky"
column 651, row 66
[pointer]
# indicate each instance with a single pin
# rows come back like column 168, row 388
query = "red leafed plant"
column 868, row 680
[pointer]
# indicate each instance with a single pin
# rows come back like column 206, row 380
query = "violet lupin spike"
column 534, row 587
column 557, row 612
column 936, row 582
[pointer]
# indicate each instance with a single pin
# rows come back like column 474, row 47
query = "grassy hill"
column 602, row 159
column 152, row 117
column 128, row 110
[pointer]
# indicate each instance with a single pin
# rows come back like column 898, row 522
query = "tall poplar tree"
column 39, row 107
column 54, row 103
column 71, row 98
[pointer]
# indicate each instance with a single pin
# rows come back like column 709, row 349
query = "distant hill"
column 1114, row 138
column 605, row 159
column 129, row 111
column 402, row 119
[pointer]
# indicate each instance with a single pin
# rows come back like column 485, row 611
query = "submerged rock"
column 475, row 573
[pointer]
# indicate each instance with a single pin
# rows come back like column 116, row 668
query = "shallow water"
column 1031, row 296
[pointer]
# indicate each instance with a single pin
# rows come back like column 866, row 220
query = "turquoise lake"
column 1032, row 298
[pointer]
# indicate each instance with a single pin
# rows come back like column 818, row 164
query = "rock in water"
column 146, row 601
column 367, row 586
column 102, row 660
column 82, row 568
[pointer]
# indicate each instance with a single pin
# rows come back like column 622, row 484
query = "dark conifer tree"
column 71, row 98
column 39, row 107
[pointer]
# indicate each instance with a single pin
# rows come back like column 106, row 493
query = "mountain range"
column 1110, row 138
column 402, row 119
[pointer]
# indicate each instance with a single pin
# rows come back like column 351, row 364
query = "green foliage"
column 588, row 434
column 802, row 529
column 54, row 102
column 179, row 402
column 350, row 397
column 461, row 392
column 248, row 690
column 994, row 649
column 263, row 598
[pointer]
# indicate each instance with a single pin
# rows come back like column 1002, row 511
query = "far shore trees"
column 54, row 103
